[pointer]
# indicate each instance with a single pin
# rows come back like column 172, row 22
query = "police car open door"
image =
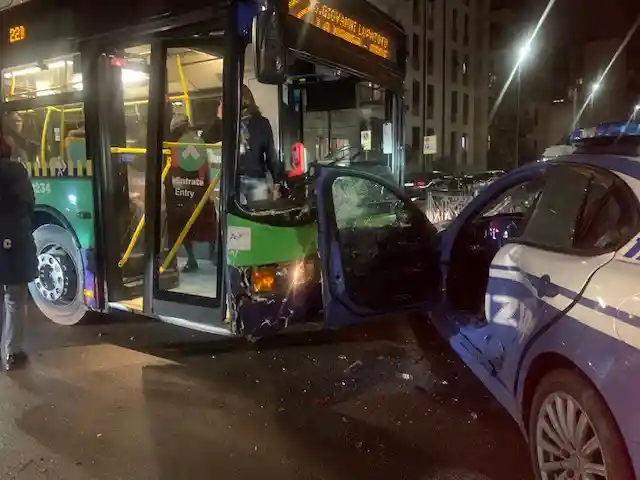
column 379, row 253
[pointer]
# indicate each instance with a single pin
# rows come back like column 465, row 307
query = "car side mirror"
column 269, row 51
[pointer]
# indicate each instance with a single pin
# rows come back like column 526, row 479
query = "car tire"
column 591, row 415
column 58, row 292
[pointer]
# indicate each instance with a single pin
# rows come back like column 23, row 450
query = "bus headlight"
column 263, row 279
column 283, row 277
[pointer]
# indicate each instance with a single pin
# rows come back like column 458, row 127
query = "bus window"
column 338, row 118
column 192, row 139
column 39, row 79
column 49, row 139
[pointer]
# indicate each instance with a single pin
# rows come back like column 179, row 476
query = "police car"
column 536, row 286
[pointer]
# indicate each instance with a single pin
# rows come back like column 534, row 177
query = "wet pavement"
column 141, row 400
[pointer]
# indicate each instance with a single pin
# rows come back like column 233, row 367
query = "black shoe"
column 15, row 361
column 190, row 267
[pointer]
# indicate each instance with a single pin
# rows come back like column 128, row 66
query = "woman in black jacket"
column 18, row 257
column 257, row 151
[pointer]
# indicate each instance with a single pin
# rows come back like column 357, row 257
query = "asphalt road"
column 142, row 400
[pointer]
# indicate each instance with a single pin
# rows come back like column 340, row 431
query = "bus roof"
column 350, row 34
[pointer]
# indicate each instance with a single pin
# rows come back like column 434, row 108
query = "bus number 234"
column 41, row 188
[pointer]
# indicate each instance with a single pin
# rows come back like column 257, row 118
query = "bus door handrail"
column 194, row 216
column 138, row 231
column 185, row 90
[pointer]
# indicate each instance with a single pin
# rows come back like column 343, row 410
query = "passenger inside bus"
column 257, row 153
column 22, row 148
column 179, row 210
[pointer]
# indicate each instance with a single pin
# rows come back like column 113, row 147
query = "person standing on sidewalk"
column 18, row 256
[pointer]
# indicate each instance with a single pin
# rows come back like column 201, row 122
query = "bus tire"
column 59, row 289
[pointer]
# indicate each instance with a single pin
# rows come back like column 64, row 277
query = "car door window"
column 581, row 208
column 609, row 220
column 518, row 199
column 554, row 220
column 387, row 246
column 361, row 202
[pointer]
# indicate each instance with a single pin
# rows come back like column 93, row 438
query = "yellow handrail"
column 136, row 150
column 185, row 91
column 139, row 228
column 43, row 142
column 62, row 145
column 189, row 224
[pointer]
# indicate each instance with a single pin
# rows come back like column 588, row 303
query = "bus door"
column 121, row 90
column 183, row 184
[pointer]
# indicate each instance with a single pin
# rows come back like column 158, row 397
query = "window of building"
column 430, row 132
column 453, row 139
column 417, row 11
column 454, row 25
column 430, row 56
column 416, row 139
column 415, row 59
column 465, row 32
column 431, row 12
column 454, row 106
column 455, row 66
column 465, row 70
column 430, row 101
column 415, row 104
column 464, row 146
column 465, row 108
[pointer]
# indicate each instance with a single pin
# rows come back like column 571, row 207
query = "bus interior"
column 322, row 115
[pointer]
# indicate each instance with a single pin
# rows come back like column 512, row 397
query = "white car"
column 536, row 286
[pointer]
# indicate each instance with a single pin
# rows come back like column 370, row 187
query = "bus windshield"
column 320, row 116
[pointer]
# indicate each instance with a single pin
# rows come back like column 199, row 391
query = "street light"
column 523, row 54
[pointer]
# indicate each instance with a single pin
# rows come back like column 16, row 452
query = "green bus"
column 91, row 94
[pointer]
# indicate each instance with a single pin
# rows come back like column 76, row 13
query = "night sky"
column 577, row 21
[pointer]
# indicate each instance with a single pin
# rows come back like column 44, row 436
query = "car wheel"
column 59, row 289
column 572, row 433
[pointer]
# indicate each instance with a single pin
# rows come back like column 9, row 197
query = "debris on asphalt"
column 405, row 376
column 474, row 415
column 342, row 357
column 354, row 366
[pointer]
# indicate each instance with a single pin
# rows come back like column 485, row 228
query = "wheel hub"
column 567, row 444
column 56, row 276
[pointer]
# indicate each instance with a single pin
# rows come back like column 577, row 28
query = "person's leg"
column 15, row 312
column 192, row 262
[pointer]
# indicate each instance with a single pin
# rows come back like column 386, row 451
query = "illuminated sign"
column 333, row 21
column 17, row 34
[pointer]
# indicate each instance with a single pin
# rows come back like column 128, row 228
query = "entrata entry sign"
column 343, row 26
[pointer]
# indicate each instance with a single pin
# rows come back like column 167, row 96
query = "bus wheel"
column 58, row 290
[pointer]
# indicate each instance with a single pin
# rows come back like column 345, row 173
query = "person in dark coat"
column 18, row 256
column 257, row 152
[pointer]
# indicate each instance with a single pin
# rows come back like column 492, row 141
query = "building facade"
column 446, row 89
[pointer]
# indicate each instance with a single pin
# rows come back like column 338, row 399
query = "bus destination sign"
column 17, row 33
column 333, row 21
